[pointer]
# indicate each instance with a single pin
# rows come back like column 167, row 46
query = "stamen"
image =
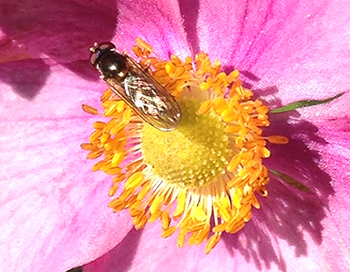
column 90, row 110
column 199, row 179
column 277, row 139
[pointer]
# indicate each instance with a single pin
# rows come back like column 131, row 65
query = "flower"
column 54, row 213
column 200, row 178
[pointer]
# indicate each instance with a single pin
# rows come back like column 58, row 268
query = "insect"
column 136, row 87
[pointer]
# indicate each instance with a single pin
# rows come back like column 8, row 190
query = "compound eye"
column 107, row 46
column 93, row 58
column 98, row 49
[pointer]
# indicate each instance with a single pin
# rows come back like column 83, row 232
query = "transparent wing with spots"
column 150, row 100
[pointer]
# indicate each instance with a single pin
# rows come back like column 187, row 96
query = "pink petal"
column 335, row 155
column 259, row 45
column 60, row 30
column 54, row 213
column 158, row 23
column 289, row 47
column 65, row 221
column 64, row 30
column 254, row 249
column 318, row 156
column 293, row 230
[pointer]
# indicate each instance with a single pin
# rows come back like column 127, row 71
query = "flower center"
column 193, row 154
column 200, row 179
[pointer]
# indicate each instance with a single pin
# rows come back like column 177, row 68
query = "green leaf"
column 290, row 181
column 304, row 103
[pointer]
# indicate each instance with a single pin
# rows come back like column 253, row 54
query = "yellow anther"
column 90, row 110
column 156, row 204
column 133, row 181
column 142, row 44
column 180, row 208
column 99, row 125
column 170, row 68
column 236, row 201
column 212, row 242
column 205, row 107
column 114, row 171
column 228, row 115
column 117, row 159
column 204, row 86
column 198, row 214
column 277, row 139
column 168, row 232
column 165, row 220
column 234, row 163
column 220, row 105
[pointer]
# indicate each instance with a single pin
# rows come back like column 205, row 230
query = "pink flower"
column 54, row 209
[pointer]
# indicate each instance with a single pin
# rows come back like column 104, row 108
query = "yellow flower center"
column 193, row 154
column 199, row 179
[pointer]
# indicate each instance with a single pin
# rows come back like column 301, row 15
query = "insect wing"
column 146, row 97
column 118, row 88
column 160, row 109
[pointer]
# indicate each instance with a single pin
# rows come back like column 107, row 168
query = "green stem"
column 290, row 181
column 304, row 103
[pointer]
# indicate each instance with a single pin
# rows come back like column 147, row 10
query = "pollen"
column 199, row 180
column 190, row 158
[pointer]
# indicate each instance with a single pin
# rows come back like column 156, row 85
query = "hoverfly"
column 136, row 87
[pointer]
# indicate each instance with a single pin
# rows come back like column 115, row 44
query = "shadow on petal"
column 122, row 255
column 287, row 213
column 250, row 75
column 189, row 12
column 76, row 269
column 84, row 69
column 248, row 78
column 60, row 30
column 26, row 77
column 245, row 73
